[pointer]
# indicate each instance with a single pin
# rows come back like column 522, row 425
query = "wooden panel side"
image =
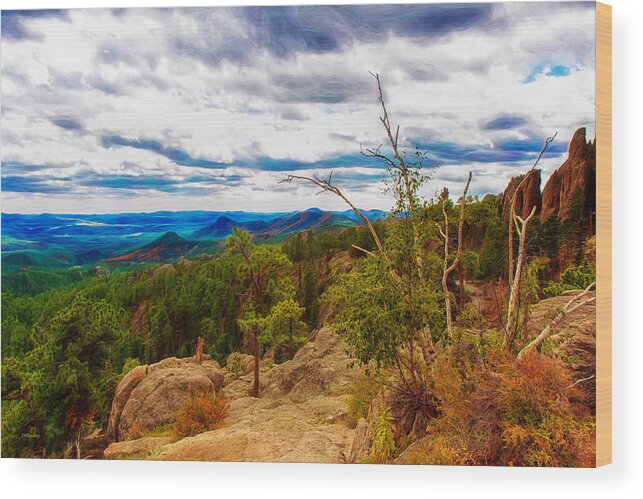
column 603, row 234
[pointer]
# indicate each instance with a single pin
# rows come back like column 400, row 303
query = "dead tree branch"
column 326, row 186
column 448, row 269
column 579, row 381
column 398, row 164
column 571, row 306
column 514, row 289
column 512, row 209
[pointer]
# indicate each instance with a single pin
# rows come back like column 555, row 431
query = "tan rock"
column 575, row 342
column 142, row 448
column 299, row 417
column 361, row 445
column 121, row 396
column 150, row 396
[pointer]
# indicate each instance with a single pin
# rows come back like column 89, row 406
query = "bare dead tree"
column 398, row 163
column 512, row 209
column 521, row 226
column 571, row 306
column 448, row 269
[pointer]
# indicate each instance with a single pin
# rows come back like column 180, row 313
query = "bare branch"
column 567, row 309
column 403, row 169
column 579, row 381
column 512, row 209
column 363, row 250
column 448, row 269
column 325, row 185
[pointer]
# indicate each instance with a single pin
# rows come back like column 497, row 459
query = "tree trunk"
column 255, row 387
column 514, row 289
column 461, row 279
column 199, row 350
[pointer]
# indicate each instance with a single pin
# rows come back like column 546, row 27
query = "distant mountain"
column 372, row 215
column 220, row 228
column 63, row 240
column 289, row 223
column 169, row 246
column 313, row 218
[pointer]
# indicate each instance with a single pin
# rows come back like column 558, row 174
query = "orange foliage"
column 501, row 411
column 201, row 413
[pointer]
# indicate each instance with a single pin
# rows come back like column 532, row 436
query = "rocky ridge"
column 300, row 415
column 572, row 183
column 575, row 177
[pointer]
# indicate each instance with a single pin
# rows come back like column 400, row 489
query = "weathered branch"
column 579, row 381
column 512, row 209
column 514, row 288
column 448, row 269
column 567, row 309
column 370, row 253
column 403, row 169
column 326, row 185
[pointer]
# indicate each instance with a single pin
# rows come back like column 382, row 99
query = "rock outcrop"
column 527, row 196
column 149, row 396
column 141, row 448
column 299, row 417
column 574, row 182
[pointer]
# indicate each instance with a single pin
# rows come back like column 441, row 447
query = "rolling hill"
column 169, row 246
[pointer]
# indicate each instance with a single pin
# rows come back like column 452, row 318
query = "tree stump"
column 199, row 350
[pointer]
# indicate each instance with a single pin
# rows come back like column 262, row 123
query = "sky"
column 209, row 108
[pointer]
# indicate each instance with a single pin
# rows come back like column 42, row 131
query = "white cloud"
column 124, row 76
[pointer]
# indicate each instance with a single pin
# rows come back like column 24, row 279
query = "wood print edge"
column 604, row 234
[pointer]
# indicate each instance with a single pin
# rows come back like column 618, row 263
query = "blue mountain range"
column 68, row 239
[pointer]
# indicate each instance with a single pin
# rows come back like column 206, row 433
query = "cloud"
column 15, row 23
column 504, row 123
column 502, row 151
column 30, row 184
column 286, row 31
column 67, row 123
column 177, row 155
column 192, row 108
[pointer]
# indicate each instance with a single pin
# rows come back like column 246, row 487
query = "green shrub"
column 235, row 365
column 383, row 447
column 470, row 316
column 576, row 277
column 363, row 391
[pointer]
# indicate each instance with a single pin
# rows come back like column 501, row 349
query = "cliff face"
column 573, row 182
column 527, row 196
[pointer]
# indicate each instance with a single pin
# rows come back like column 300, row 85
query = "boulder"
column 150, row 396
column 141, row 448
column 573, row 183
